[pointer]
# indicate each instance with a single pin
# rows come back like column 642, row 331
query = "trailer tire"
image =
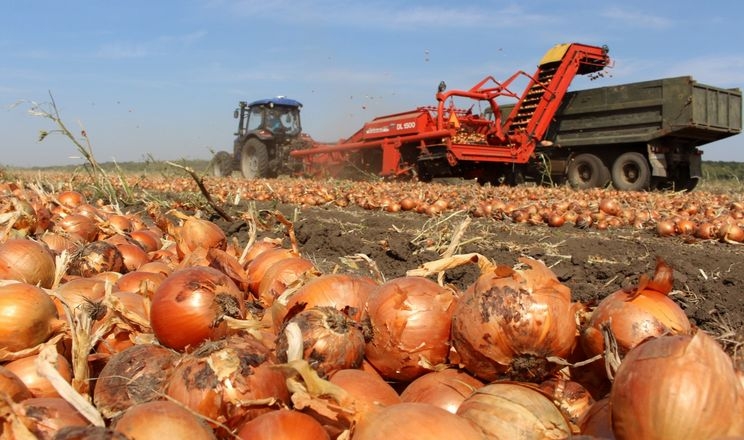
column 631, row 172
column 587, row 171
column 221, row 164
column 254, row 159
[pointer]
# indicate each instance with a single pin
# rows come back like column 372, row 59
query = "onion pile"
column 163, row 327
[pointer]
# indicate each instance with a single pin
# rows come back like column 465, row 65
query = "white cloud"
column 637, row 18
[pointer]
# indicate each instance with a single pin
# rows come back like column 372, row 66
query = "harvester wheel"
column 221, row 164
column 254, row 159
column 631, row 172
column 587, row 171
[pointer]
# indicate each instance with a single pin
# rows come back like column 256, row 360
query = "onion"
column 282, row 274
column 149, row 240
column 190, row 305
column 77, row 292
column 135, row 375
column 446, row 388
column 328, row 339
column 257, row 268
column 58, row 242
column 636, row 315
column 27, row 261
column 38, row 385
column 347, row 293
column 78, row 227
column 666, row 228
column 511, row 322
column 46, row 416
column 28, row 316
column 410, row 320
column 97, row 257
column 161, row 420
column 514, row 410
column 406, row 421
column 677, row 386
column 228, row 381
column 133, row 255
column 199, row 233
column 596, row 421
column 12, row 386
column 71, row 198
column 571, row 397
column 258, row 248
column 143, row 283
column 283, row 424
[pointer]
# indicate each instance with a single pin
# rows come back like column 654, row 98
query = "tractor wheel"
column 631, row 172
column 254, row 159
column 221, row 164
column 587, row 171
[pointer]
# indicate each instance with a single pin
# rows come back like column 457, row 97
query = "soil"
column 708, row 275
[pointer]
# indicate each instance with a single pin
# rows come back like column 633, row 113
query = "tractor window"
column 255, row 118
column 290, row 120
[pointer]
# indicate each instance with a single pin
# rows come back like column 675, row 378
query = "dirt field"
column 708, row 275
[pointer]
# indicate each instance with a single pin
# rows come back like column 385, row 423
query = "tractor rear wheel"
column 631, row 172
column 587, row 171
column 254, row 159
column 221, row 164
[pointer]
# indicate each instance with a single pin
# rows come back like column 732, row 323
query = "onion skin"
column 347, row 293
column 198, row 233
column 38, row 385
column 46, row 416
column 219, row 375
column 410, row 319
column 331, row 340
column 677, row 386
column 446, row 388
column 509, row 322
column 135, row 375
column 283, row 424
column 161, row 420
column 95, row 258
column 27, row 261
column 189, row 306
column 28, row 316
column 637, row 314
column 408, row 421
column 12, row 386
column 514, row 410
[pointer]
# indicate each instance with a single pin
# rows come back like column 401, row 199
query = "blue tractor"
column 268, row 129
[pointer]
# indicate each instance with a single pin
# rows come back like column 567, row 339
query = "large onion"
column 39, row 386
column 46, row 416
column 677, row 386
column 160, row 420
column 410, row 320
column 408, row 421
column 135, row 375
column 228, row 381
column 190, row 305
column 281, row 275
column 511, row 322
column 328, row 339
column 12, row 386
column 446, row 388
column 283, row 424
column 345, row 292
column 513, row 410
column 636, row 314
column 256, row 268
column 28, row 316
column 199, row 233
column 27, row 261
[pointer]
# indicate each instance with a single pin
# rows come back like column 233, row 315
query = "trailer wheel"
column 221, row 164
column 254, row 159
column 587, row 171
column 631, row 172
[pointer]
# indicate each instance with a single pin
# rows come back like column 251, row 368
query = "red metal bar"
column 370, row 144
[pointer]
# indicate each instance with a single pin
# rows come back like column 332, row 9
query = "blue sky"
column 162, row 78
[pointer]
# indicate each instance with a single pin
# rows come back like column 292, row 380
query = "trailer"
column 640, row 135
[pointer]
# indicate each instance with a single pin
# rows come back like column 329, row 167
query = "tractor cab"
column 278, row 117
